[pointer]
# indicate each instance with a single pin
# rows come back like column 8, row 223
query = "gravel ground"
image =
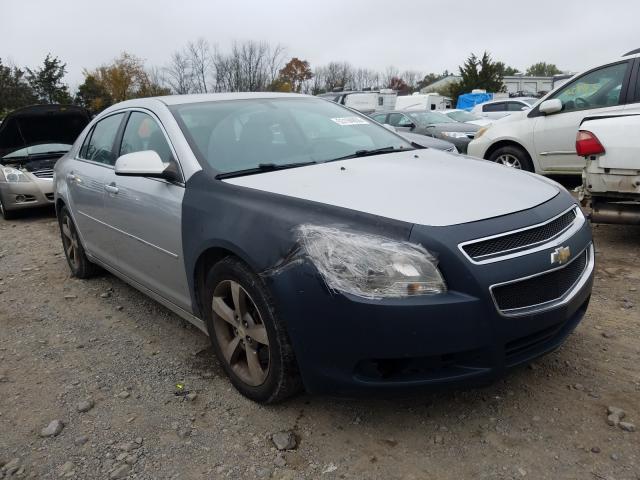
column 103, row 361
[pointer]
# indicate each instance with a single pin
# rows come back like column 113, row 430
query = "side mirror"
column 410, row 126
column 146, row 163
column 551, row 106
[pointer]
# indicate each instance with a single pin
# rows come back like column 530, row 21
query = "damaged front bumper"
column 345, row 343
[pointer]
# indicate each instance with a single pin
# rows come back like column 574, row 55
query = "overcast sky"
column 428, row 36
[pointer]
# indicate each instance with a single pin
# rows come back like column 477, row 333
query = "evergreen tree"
column 46, row 81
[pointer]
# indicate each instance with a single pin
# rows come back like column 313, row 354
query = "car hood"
column 455, row 127
column 426, row 187
column 40, row 124
column 481, row 122
column 425, row 141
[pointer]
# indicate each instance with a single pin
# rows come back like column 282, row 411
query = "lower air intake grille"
column 541, row 289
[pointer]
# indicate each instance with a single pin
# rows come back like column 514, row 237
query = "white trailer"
column 423, row 101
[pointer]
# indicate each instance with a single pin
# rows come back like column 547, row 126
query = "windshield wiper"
column 367, row 153
column 263, row 167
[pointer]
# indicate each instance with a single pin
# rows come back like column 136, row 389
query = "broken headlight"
column 370, row 266
column 12, row 175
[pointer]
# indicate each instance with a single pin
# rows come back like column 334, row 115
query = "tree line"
column 199, row 67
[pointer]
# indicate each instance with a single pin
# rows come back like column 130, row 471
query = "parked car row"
column 542, row 139
column 430, row 123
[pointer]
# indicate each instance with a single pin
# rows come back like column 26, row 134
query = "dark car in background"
column 32, row 139
column 430, row 123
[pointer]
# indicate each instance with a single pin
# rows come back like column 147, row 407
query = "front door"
column 145, row 217
column 596, row 92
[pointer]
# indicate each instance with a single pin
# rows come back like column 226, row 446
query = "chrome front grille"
column 522, row 241
column 44, row 173
column 545, row 290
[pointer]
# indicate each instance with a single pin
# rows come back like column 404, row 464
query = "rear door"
column 85, row 182
column 494, row 110
column 602, row 90
column 144, row 215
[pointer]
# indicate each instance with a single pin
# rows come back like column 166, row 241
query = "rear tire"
column 248, row 338
column 512, row 156
column 80, row 265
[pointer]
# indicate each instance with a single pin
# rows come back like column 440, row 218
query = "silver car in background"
column 32, row 139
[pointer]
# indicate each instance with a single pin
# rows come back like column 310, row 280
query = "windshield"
column 232, row 136
column 430, row 118
column 462, row 116
column 530, row 101
column 44, row 148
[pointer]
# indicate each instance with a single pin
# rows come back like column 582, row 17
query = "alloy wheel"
column 240, row 332
column 509, row 160
column 70, row 242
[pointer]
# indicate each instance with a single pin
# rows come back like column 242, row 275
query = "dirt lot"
column 64, row 340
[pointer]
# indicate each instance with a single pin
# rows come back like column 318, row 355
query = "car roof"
column 507, row 99
column 169, row 100
column 408, row 110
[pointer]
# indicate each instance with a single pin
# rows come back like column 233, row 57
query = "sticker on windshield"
column 350, row 121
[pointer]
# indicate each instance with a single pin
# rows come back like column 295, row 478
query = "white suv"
column 543, row 138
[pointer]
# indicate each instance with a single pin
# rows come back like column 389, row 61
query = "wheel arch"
column 207, row 258
column 59, row 204
column 506, row 143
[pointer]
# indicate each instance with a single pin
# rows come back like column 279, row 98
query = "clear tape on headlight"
column 13, row 175
column 370, row 266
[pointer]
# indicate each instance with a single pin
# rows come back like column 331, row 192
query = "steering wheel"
column 581, row 103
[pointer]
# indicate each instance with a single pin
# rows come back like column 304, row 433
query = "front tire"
column 512, row 156
column 249, row 340
column 78, row 262
column 7, row 214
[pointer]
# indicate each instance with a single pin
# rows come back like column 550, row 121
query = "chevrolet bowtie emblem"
column 561, row 255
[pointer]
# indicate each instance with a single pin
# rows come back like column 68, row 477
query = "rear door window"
column 516, row 106
column 101, row 143
column 494, row 107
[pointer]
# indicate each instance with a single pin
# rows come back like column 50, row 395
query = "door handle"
column 111, row 188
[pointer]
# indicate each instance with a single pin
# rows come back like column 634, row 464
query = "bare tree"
column 338, row 75
column 179, row 74
column 317, row 83
column 389, row 74
column 275, row 62
column 365, row 78
column 411, row 78
column 201, row 63
column 249, row 66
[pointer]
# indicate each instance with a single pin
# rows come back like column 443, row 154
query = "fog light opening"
column 20, row 198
